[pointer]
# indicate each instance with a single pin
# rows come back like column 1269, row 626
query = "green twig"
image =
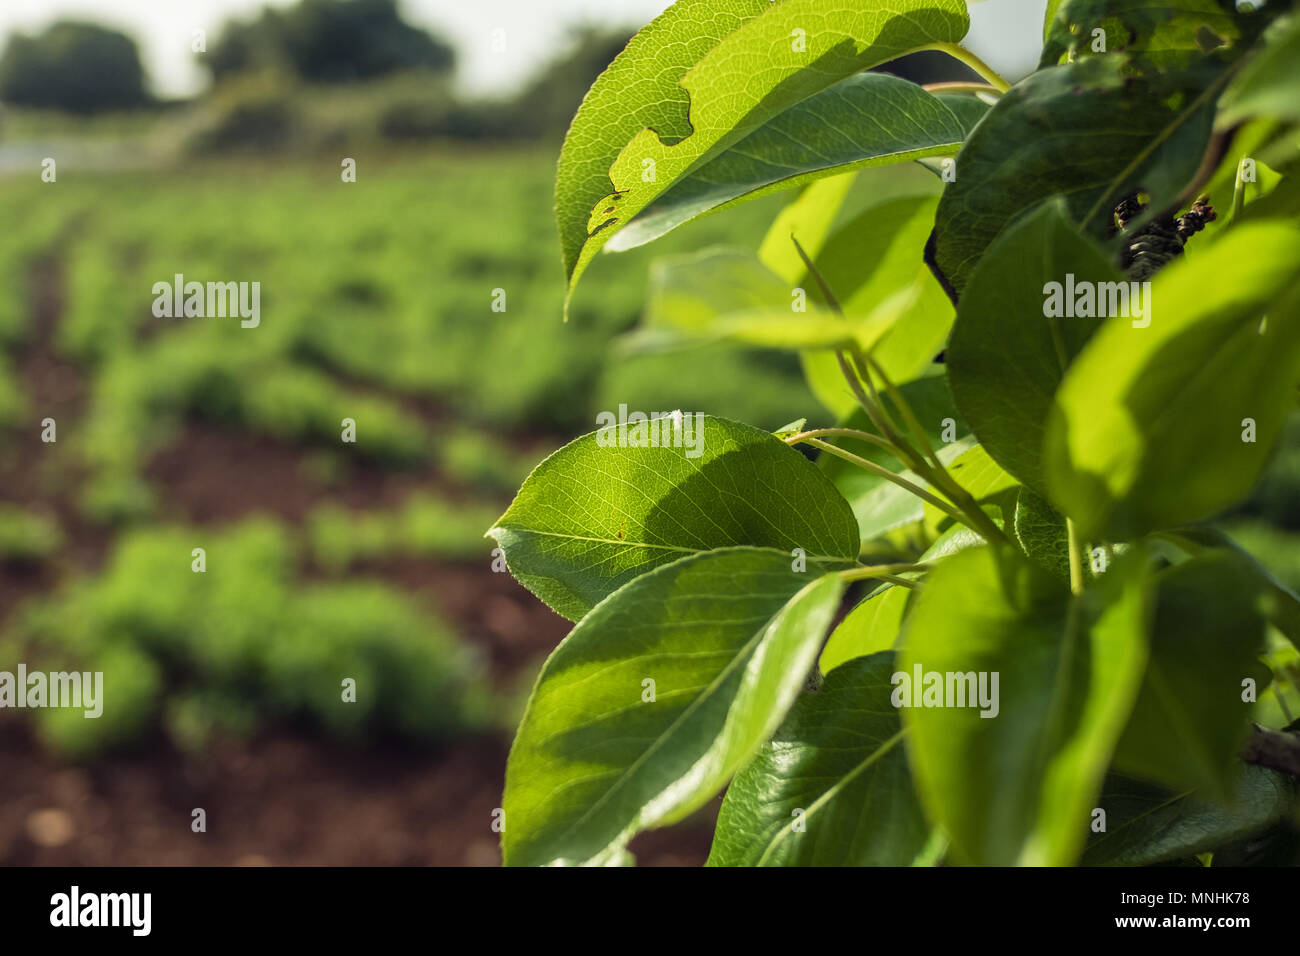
column 879, row 571
column 1238, row 194
column 1076, row 558
column 904, row 409
column 959, row 52
column 961, row 87
column 888, row 475
column 843, row 433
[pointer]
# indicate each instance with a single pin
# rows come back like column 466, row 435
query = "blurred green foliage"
column 27, row 537
column 243, row 643
column 424, row 527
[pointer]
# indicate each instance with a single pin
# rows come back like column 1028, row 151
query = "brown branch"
column 1274, row 749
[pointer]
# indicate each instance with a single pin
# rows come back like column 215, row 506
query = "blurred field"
column 324, row 559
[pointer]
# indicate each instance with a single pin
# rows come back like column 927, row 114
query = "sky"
column 1006, row 33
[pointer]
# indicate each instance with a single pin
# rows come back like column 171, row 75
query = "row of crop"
column 237, row 642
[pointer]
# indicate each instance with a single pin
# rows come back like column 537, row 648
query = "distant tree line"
column 85, row 68
column 78, row 67
column 329, row 41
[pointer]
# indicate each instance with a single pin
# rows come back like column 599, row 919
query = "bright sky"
column 1005, row 32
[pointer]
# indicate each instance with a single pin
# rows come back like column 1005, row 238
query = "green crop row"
column 424, row 527
column 241, row 644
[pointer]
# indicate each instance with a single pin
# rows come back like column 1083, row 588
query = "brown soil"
column 281, row 800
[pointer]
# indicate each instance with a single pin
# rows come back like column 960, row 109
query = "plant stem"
column 888, row 475
column 909, row 417
column 960, row 87
column 901, row 582
column 959, row 52
column 879, row 570
column 967, row 511
column 892, row 431
column 831, row 301
column 1076, row 558
column 1238, row 195
column 869, row 406
column 844, row 433
column 1279, row 681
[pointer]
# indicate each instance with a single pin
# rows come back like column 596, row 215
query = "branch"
column 1274, row 749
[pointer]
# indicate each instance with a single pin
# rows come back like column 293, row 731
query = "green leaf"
column 1146, row 825
column 1018, row 787
column 832, row 788
column 876, row 623
column 871, row 119
column 590, row 518
column 1040, row 531
column 872, row 626
column 1282, row 202
column 808, row 219
column 729, row 295
column 1189, row 720
column 765, row 66
column 727, row 638
column 1062, row 149
column 967, row 107
column 1155, row 33
column 641, row 89
column 872, row 259
column 1282, row 607
column 1007, row 354
column 1049, row 17
column 791, row 428
column 1268, row 85
column 1148, row 425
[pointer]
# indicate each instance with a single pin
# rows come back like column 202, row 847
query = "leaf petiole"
column 888, row 475
column 881, row 571
column 959, row 52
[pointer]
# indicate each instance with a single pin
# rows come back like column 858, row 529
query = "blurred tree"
column 79, row 67
column 546, row 106
column 329, row 41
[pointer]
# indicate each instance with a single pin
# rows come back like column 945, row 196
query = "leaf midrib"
column 831, row 791
column 627, row 542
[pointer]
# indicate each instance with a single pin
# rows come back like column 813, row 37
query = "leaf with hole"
column 762, row 68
